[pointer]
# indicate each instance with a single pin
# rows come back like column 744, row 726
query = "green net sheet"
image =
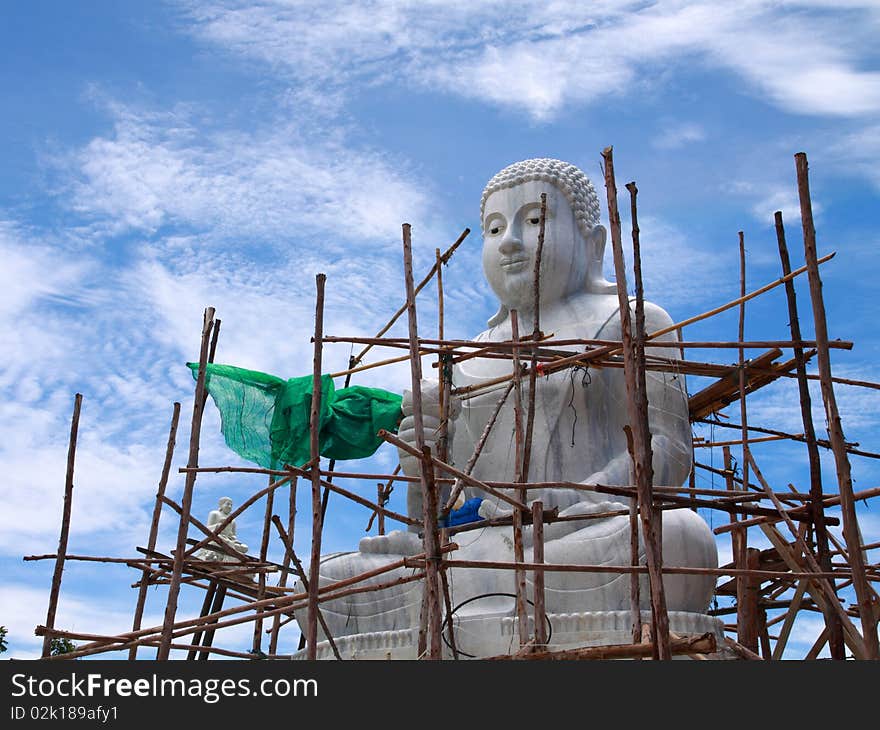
column 265, row 419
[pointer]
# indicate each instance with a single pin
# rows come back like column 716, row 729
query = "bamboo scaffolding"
column 835, row 430
column 772, row 587
column 65, row 523
column 637, row 413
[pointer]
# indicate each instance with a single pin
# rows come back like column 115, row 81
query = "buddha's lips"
column 513, row 263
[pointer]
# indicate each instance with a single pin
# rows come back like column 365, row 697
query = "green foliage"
column 60, row 645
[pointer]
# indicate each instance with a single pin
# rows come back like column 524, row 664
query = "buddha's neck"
column 558, row 313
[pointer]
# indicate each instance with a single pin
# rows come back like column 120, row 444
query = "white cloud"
column 159, row 170
column 502, row 53
column 765, row 198
column 674, row 136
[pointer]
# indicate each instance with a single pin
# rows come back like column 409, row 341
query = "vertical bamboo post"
column 154, row 525
column 261, row 578
column 637, row 410
column 835, row 429
column 835, row 631
column 285, row 563
column 447, row 598
column 747, row 613
column 208, row 638
column 538, row 559
column 315, row 465
column 738, row 548
column 742, row 362
column 635, row 599
column 536, row 336
column 518, row 550
column 65, row 525
column 380, row 500
column 186, row 502
column 206, row 609
column 431, row 602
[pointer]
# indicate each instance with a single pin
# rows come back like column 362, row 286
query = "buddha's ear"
column 596, row 242
column 596, row 282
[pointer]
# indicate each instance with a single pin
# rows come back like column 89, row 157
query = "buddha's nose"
column 511, row 242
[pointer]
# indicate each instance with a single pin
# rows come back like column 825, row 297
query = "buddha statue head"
column 574, row 240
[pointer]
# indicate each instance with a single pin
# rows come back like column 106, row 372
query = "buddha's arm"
column 668, row 417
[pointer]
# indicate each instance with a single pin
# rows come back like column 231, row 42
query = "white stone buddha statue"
column 228, row 534
column 578, row 436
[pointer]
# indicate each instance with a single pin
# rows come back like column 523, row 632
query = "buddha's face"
column 225, row 506
column 511, row 223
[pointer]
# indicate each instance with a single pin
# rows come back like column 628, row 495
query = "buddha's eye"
column 534, row 221
column 495, row 227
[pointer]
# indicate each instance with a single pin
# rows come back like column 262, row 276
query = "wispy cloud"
column 167, row 171
column 674, row 136
column 570, row 54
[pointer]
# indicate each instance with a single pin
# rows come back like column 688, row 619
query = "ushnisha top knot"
column 570, row 180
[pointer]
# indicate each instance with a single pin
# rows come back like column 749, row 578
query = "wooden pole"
column 835, row 632
column 742, row 371
column 430, row 537
column 740, row 557
column 538, row 557
column 637, row 411
column 460, row 484
column 65, row 524
column 291, row 556
column 186, row 502
column 154, row 524
column 522, row 616
column 835, row 429
column 197, row 637
column 536, row 335
column 315, row 465
column 261, row 578
column 285, row 569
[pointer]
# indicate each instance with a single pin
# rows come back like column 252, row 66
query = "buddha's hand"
column 396, row 542
column 431, row 422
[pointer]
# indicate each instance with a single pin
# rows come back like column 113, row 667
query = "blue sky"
column 163, row 157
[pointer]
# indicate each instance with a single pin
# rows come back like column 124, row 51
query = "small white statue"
column 216, row 516
column 578, row 436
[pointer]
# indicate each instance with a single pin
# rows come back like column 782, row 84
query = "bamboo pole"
column 522, row 617
column 536, row 335
column 261, row 579
column 285, row 570
column 154, row 524
column 637, row 410
column 65, row 524
column 824, row 443
column 315, row 465
column 429, row 517
column 538, row 578
column 205, row 610
column 835, row 632
column 422, row 284
column 291, row 556
column 459, row 484
column 547, row 342
column 742, row 375
column 186, row 502
column 835, row 429
column 466, row 478
column 826, row 593
column 703, row 644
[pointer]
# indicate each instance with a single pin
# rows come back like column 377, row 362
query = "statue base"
column 483, row 636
